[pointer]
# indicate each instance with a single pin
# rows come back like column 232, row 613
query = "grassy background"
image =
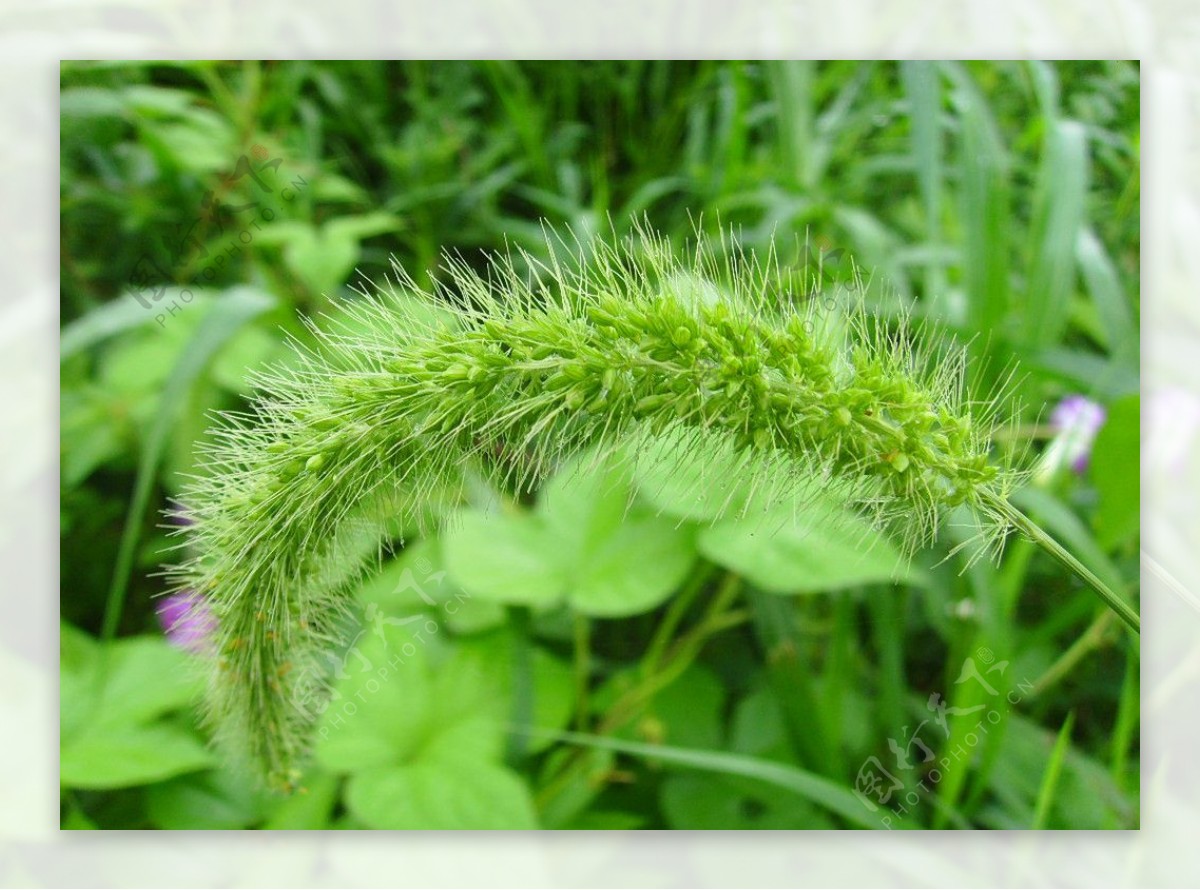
column 999, row 198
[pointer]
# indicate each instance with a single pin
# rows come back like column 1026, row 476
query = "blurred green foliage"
column 677, row 673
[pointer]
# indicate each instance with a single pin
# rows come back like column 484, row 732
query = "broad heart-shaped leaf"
column 111, row 737
column 145, row 677
column 424, row 737
column 634, row 569
column 1115, row 471
column 217, row 799
column 121, row 756
column 584, row 544
column 441, row 793
column 409, row 693
column 382, row 705
column 478, row 681
column 417, row 581
column 804, row 550
column 687, row 482
column 322, row 259
column 508, row 558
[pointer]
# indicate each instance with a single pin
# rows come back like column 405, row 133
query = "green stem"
column 665, row 632
column 1093, row 638
column 675, row 661
column 520, row 620
column 1036, row 534
column 583, row 671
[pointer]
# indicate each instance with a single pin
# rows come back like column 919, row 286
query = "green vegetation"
column 540, row 635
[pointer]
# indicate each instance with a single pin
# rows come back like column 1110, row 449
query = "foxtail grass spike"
column 505, row 373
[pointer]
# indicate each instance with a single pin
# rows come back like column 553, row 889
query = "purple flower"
column 1076, row 419
column 188, row 621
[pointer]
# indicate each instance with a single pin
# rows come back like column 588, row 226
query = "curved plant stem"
column 1036, row 534
column 522, row 674
column 669, row 665
column 665, row 632
column 1095, row 637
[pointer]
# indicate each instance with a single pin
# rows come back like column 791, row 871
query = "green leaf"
column 584, row 503
column 85, row 102
column 921, row 88
column 322, row 258
column 250, row 348
column 120, row 756
column 508, row 558
column 102, row 322
column 584, row 543
column 308, row 808
column 406, row 697
column 478, row 679
column 365, row 226
column 443, row 794
column 634, row 569
column 228, row 315
column 417, row 581
column 381, row 710
column 832, row 796
column 90, row 433
column 690, row 483
column 986, row 212
column 1104, row 284
column 199, row 141
column 109, row 735
column 1046, row 794
column 693, row 802
column 1057, row 217
column 145, row 676
column 822, row 548
column 1115, row 470
column 217, row 799
column 687, row 713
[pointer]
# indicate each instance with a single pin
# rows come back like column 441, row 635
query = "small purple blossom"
column 188, row 621
column 1076, row 419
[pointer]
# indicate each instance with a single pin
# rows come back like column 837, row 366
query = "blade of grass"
column 921, row 86
column 1112, row 307
column 814, row 788
column 227, row 316
column 804, row 716
column 1128, row 714
column 106, row 320
column 983, row 169
column 1058, row 213
column 792, row 88
column 1045, row 798
column 519, row 620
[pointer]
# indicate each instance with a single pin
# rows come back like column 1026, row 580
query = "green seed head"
column 507, row 385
